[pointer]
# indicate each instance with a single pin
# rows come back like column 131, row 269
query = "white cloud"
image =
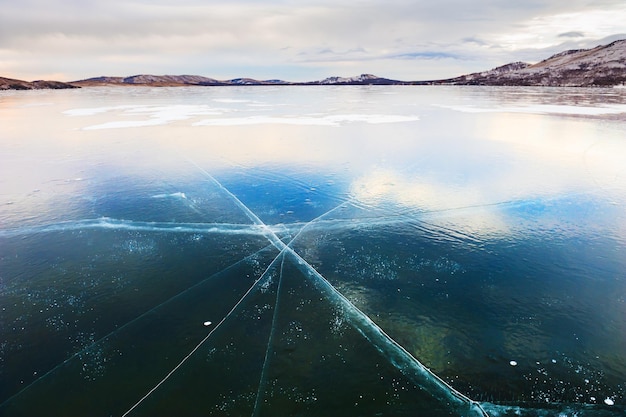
column 547, row 30
column 287, row 39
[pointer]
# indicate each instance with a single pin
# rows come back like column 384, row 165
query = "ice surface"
column 444, row 396
column 545, row 109
column 399, row 357
column 328, row 120
column 273, row 270
column 96, row 110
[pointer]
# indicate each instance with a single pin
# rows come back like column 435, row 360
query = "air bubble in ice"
column 207, row 323
column 609, row 401
column 513, row 363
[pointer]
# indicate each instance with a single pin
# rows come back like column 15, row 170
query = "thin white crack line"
column 377, row 331
column 259, row 393
column 128, row 323
column 190, row 354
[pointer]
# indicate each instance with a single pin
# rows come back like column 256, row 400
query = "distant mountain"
column 11, row 84
column 363, row 79
column 143, row 79
column 603, row 65
column 171, row 81
column 189, row 80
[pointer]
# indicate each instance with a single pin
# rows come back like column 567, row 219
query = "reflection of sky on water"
column 478, row 227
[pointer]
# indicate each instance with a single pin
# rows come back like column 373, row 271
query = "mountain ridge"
column 175, row 80
column 602, row 66
column 13, row 84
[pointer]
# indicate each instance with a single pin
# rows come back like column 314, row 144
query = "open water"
column 310, row 251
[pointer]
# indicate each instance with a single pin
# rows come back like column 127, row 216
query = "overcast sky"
column 294, row 40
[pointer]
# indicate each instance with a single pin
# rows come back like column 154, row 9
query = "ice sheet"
column 329, row 120
column 485, row 245
column 544, row 109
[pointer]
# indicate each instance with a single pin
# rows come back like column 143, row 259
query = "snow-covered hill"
column 603, row 65
column 358, row 80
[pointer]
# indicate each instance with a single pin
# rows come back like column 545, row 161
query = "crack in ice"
column 128, row 323
column 261, row 388
column 256, row 284
column 395, row 353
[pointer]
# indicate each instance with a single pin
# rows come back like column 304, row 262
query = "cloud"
column 449, row 37
column 474, row 40
column 427, row 55
column 572, row 34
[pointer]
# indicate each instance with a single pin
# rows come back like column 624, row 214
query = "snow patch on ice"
column 161, row 115
column 231, row 100
column 172, row 195
column 130, row 123
column 152, row 115
column 95, row 110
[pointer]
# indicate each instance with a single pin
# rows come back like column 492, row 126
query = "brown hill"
column 12, row 84
column 604, row 65
column 171, row 81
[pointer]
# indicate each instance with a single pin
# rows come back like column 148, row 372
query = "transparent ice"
column 329, row 251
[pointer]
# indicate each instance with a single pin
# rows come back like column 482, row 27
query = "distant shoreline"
column 57, row 85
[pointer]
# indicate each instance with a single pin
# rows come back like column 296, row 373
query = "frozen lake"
column 310, row 251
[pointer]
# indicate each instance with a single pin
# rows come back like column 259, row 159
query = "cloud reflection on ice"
column 386, row 188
